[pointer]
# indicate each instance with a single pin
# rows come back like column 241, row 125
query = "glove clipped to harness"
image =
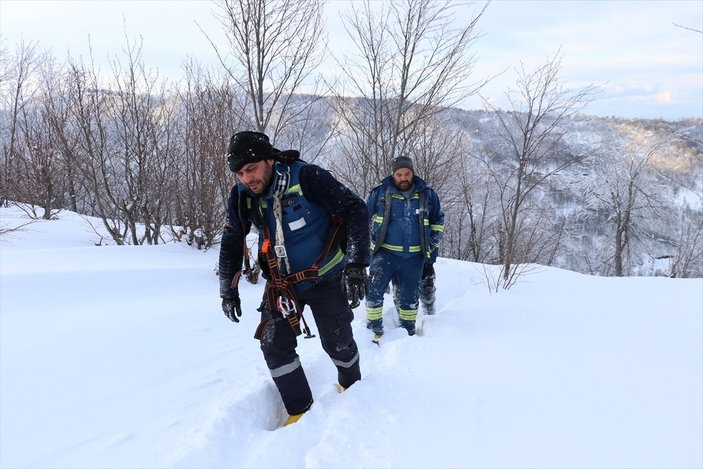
column 356, row 283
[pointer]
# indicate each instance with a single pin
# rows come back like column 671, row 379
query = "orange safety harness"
column 279, row 292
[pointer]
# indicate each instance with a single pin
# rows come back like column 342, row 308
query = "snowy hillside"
column 120, row 357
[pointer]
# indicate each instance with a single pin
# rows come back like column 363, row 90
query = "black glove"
column 232, row 307
column 230, row 296
column 356, row 282
column 428, row 270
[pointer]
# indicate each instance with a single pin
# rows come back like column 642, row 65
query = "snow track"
column 121, row 357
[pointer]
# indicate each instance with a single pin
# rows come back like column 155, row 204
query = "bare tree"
column 37, row 170
column 143, row 147
column 687, row 260
column 120, row 142
column 680, row 167
column 90, row 109
column 688, row 28
column 531, row 152
column 34, row 170
column 410, row 67
column 468, row 236
column 65, row 135
column 273, row 48
column 209, row 110
column 20, row 71
column 623, row 189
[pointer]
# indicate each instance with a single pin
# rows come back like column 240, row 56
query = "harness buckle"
column 280, row 251
column 252, row 274
column 285, row 305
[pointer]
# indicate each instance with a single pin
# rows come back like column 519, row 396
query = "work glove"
column 431, row 249
column 428, row 270
column 356, row 283
column 229, row 293
column 232, row 307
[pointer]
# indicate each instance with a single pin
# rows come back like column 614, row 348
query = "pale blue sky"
column 648, row 67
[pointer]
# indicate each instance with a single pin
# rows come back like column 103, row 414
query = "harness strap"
column 279, row 287
column 386, row 218
column 421, row 219
column 245, row 228
column 332, row 241
column 281, row 185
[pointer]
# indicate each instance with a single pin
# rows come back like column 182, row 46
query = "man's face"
column 403, row 179
column 256, row 176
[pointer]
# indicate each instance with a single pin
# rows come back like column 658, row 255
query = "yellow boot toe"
column 292, row 419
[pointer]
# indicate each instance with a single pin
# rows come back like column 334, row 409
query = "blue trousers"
column 405, row 269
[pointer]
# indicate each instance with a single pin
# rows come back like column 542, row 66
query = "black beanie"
column 402, row 162
column 248, row 147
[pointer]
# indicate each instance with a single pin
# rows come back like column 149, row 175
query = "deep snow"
column 121, row 357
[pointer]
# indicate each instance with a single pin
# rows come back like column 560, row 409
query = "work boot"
column 376, row 325
column 292, row 419
column 408, row 326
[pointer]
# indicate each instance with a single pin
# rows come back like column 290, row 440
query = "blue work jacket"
column 401, row 224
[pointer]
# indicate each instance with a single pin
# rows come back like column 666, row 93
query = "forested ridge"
column 539, row 183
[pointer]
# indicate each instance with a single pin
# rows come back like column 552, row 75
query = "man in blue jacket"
column 313, row 250
column 407, row 225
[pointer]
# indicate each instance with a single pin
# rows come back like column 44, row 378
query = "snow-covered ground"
column 121, row 357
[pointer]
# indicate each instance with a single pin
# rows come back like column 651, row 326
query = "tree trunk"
column 618, row 251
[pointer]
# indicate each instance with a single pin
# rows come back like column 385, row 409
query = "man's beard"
column 260, row 185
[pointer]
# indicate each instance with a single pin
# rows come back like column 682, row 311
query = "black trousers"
column 333, row 316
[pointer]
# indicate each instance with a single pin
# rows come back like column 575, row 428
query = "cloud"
column 665, row 97
column 633, row 47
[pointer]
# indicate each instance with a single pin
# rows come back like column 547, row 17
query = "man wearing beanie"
column 307, row 258
column 407, row 225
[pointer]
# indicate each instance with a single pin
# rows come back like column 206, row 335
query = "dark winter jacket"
column 406, row 225
column 311, row 196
